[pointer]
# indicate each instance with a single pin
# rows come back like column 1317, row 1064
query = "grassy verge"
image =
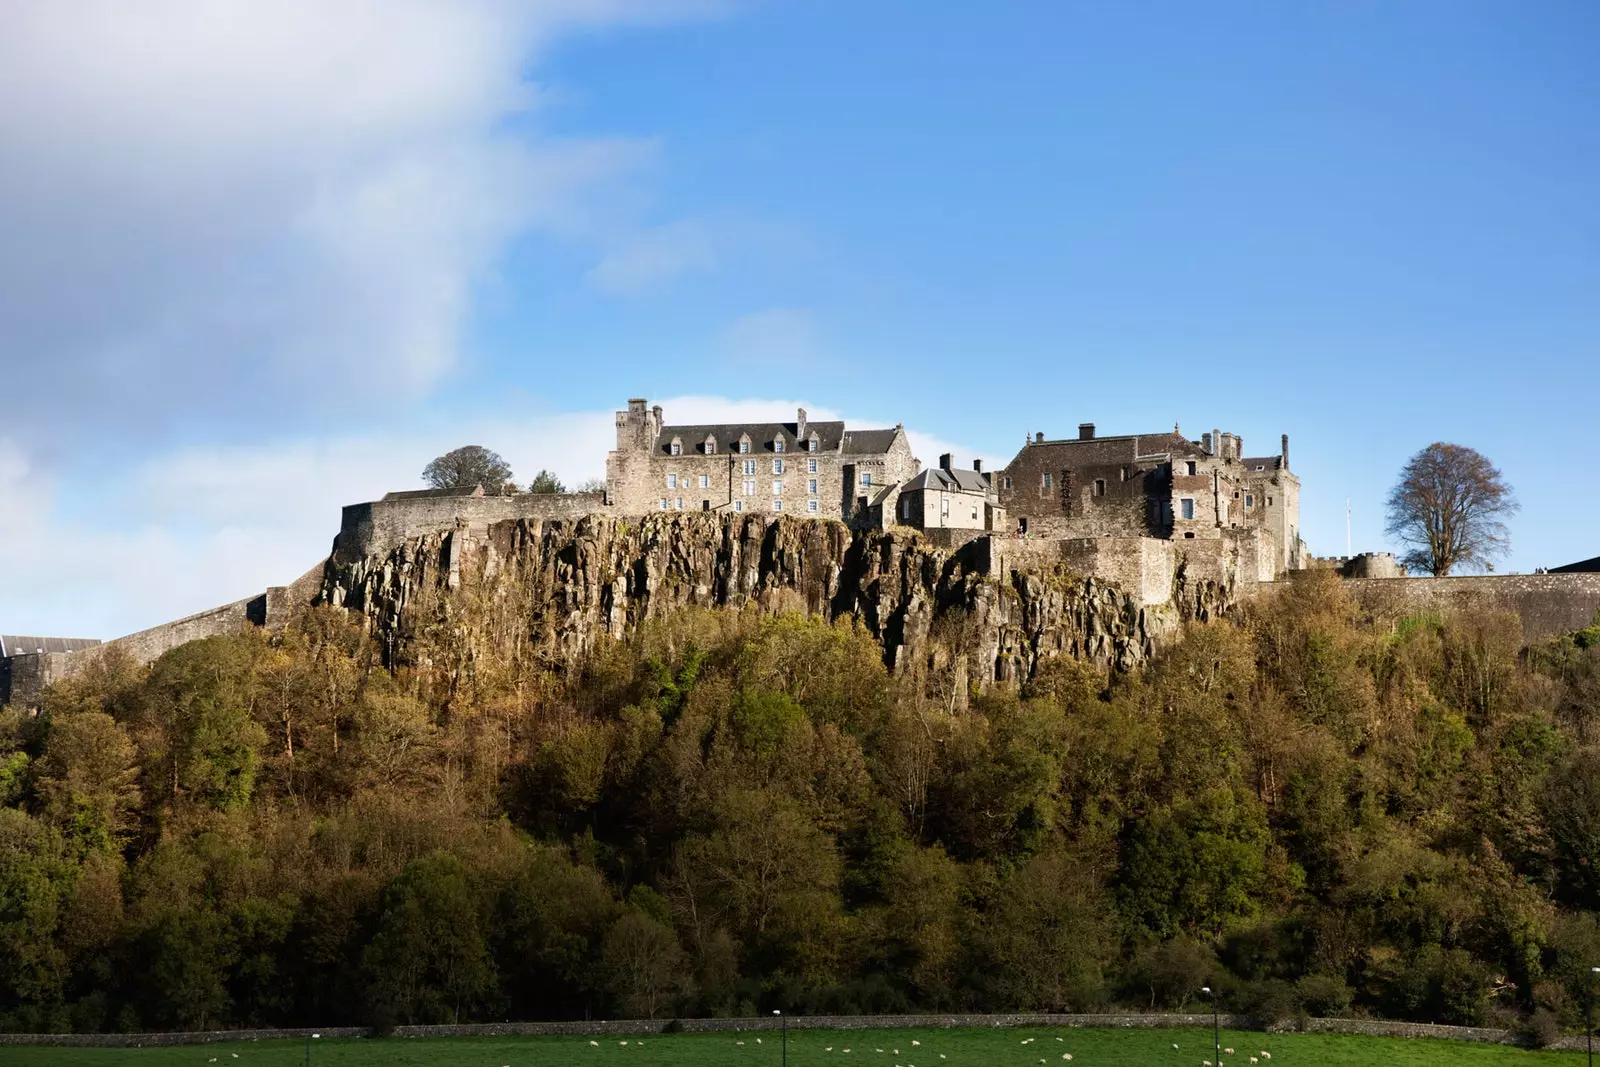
column 868, row 1048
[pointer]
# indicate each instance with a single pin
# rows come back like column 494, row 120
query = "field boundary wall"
column 626, row 1027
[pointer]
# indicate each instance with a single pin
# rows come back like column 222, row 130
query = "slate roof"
column 22, row 646
column 830, row 437
column 1585, row 566
column 958, row 481
column 1270, row 463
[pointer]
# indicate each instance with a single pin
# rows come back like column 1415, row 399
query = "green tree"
column 546, row 482
column 429, row 960
column 642, row 965
column 88, row 779
column 467, row 466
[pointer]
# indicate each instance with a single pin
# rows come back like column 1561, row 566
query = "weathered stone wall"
column 382, row 525
column 1548, row 604
column 24, row 677
column 603, row 576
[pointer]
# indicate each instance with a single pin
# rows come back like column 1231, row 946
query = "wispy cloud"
column 649, row 260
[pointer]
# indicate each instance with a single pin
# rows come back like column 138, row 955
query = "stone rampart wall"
column 378, row 527
column 628, row 1027
column 1548, row 604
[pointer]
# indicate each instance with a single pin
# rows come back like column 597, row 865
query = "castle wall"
column 1549, row 605
column 376, row 527
column 23, row 678
column 1141, row 566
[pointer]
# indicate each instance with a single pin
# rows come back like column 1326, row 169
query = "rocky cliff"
column 576, row 581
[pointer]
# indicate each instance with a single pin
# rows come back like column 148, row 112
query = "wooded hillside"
column 738, row 811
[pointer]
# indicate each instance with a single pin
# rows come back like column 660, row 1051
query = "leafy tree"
column 1449, row 508
column 642, row 965
column 545, row 482
column 466, row 466
column 429, row 960
column 88, row 778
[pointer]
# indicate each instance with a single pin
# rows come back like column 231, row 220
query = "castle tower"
column 638, row 427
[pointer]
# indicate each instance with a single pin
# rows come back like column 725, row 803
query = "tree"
column 466, row 466
column 1449, row 508
column 546, row 482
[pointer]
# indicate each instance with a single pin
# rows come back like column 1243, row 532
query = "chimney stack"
column 1038, row 438
column 977, row 466
column 1285, row 451
column 945, row 461
column 1086, row 431
column 1216, row 441
column 1205, row 444
column 800, row 425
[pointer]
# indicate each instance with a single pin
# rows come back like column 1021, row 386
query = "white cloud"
column 248, row 209
column 197, row 527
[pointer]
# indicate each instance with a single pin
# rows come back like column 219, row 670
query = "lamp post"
column 1216, row 1024
column 308, row 1047
column 784, row 1020
column 1588, row 1005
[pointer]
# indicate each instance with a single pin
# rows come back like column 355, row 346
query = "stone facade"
column 947, row 498
column 819, row 470
column 1158, row 485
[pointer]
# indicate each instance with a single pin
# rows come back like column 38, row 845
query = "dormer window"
column 677, row 447
column 812, row 444
column 711, row 446
column 744, row 443
column 777, row 444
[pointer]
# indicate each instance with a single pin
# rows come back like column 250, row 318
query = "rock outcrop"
column 578, row 581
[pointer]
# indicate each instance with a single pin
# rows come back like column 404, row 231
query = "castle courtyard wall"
column 380, row 526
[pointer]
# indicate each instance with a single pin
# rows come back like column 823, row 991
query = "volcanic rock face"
column 577, row 581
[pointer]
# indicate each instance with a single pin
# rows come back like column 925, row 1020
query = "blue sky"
column 272, row 260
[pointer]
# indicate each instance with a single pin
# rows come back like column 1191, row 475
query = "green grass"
column 1022, row 1047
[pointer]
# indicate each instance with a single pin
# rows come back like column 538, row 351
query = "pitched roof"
column 21, row 646
column 955, row 481
column 1584, row 566
column 830, row 436
column 1270, row 463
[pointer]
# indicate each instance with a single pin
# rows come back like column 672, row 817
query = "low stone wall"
column 628, row 1027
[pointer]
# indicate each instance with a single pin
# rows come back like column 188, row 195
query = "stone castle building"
column 1160, row 485
column 809, row 469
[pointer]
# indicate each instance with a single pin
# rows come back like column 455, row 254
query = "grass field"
column 868, row 1048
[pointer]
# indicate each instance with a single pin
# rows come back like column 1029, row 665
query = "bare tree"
column 469, row 465
column 1449, row 508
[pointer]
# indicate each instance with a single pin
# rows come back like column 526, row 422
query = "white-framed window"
column 812, row 444
column 811, row 486
column 944, row 507
column 1045, row 483
column 974, row 513
column 1186, row 507
column 738, row 505
column 711, row 446
column 677, row 447
column 663, row 503
column 777, row 505
column 678, row 503
column 777, row 466
column 749, row 487
column 672, row 481
column 811, row 506
column 705, row 481
column 777, row 486
column 866, row 477
column 777, row 444
column 749, row 466
column 811, row 466
column 744, row 444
